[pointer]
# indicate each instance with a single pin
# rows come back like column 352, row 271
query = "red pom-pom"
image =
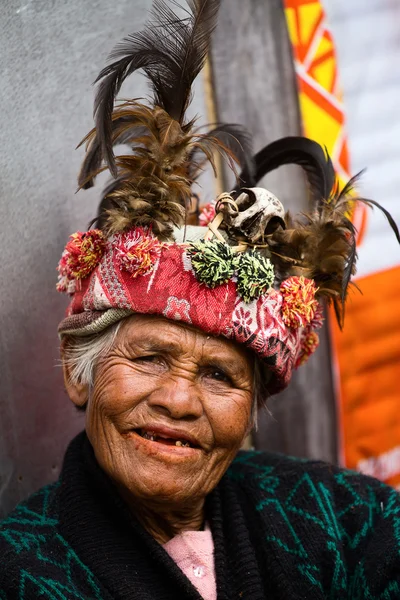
column 318, row 319
column 299, row 304
column 82, row 254
column 137, row 251
column 309, row 345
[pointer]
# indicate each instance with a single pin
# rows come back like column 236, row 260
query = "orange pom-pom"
column 299, row 304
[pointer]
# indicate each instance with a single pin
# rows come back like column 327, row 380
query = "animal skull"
column 259, row 213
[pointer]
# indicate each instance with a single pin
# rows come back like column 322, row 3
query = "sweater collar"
column 125, row 557
column 110, row 541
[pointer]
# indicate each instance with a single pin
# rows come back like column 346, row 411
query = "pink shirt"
column 193, row 552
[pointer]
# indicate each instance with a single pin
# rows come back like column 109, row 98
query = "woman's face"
column 169, row 409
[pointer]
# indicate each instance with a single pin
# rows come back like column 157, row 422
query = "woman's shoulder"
column 33, row 520
column 258, row 463
column 26, row 536
column 332, row 520
column 278, row 472
column 36, row 559
column 352, row 507
column 316, row 491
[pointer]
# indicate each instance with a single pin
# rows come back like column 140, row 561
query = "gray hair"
column 81, row 355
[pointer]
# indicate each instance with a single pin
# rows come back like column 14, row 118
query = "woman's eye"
column 149, row 359
column 219, row 375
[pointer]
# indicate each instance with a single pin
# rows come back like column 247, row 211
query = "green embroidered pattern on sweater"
column 297, row 506
column 30, row 530
column 311, row 502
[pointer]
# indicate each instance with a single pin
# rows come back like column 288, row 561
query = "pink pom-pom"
column 137, row 251
column 207, row 213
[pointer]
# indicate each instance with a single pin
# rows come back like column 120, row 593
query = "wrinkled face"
column 169, row 409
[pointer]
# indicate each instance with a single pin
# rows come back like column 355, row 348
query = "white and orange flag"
column 367, row 352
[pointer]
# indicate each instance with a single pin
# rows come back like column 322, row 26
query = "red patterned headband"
column 201, row 283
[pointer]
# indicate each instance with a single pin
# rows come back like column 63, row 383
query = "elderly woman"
column 174, row 336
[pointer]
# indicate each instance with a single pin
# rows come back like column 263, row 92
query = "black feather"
column 170, row 50
column 348, row 190
column 387, row 214
column 349, row 269
column 124, row 129
column 339, row 311
column 236, row 139
column 345, row 196
column 300, row 151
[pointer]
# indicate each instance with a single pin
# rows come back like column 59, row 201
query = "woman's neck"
column 165, row 523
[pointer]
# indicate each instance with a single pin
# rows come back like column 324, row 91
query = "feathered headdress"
column 254, row 274
column 153, row 183
column 320, row 244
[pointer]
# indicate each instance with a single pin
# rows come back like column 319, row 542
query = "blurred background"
column 327, row 70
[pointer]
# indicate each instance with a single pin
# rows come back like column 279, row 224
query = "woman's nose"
column 177, row 397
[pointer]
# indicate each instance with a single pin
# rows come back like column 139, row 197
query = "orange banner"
column 368, row 355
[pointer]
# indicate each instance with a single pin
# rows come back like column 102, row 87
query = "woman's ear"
column 78, row 392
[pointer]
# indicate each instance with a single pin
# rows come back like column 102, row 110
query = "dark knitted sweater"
column 282, row 528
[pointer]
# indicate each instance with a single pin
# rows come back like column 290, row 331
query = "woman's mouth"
column 162, row 439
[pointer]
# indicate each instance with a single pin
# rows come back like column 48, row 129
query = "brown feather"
column 158, row 172
column 320, row 246
column 153, row 182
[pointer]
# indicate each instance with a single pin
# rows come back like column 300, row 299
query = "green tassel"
column 213, row 262
column 255, row 275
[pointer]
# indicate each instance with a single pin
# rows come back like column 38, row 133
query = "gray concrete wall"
column 256, row 86
column 51, row 51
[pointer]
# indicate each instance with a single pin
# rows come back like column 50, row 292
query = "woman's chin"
column 157, row 472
